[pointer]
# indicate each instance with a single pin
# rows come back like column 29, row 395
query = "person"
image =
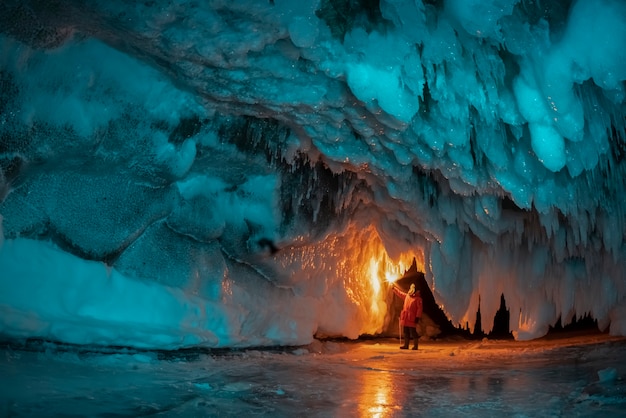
column 410, row 315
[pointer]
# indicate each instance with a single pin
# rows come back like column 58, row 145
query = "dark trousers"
column 409, row 333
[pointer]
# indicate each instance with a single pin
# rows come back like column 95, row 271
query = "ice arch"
column 233, row 173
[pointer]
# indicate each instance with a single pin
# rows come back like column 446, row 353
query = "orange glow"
column 376, row 307
column 380, row 395
column 370, row 261
column 375, row 282
column 352, row 272
column 383, row 270
column 391, row 277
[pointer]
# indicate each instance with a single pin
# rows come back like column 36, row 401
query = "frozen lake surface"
column 569, row 375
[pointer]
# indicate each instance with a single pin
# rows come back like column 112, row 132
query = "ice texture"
column 238, row 173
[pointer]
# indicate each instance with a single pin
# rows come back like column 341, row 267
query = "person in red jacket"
column 410, row 315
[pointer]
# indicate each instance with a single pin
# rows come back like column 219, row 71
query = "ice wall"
column 257, row 167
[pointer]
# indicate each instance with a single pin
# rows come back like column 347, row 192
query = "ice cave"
column 188, row 175
column 253, row 173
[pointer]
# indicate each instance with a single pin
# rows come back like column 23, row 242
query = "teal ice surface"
column 580, row 377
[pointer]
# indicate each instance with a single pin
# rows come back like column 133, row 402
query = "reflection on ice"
column 379, row 394
column 571, row 376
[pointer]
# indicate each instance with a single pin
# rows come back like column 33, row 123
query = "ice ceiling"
column 236, row 173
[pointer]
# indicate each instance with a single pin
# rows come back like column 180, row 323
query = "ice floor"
column 560, row 377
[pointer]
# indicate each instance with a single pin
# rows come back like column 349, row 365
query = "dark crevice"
column 342, row 15
column 187, row 128
column 508, row 204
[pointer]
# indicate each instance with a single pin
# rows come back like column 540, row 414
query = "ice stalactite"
column 288, row 150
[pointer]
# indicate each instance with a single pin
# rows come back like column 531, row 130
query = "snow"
column 383, row 86
column 481, row 18
column 72, row 86
column 243, row 173
column 73, row 294
column 577, row 376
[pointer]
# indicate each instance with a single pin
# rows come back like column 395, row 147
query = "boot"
column 406, row 345
column 414, row 347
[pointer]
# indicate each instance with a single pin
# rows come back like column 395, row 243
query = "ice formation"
column 239, row 173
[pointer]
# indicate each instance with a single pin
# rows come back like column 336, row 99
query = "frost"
column 271, row 158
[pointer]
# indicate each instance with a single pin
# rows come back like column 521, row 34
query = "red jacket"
column 412, row 309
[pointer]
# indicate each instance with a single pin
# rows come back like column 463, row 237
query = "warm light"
column 380, row 402
column 380, row 396
column 375, row 282
column 381, row 270
column 391, row 277
column 357, row 272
